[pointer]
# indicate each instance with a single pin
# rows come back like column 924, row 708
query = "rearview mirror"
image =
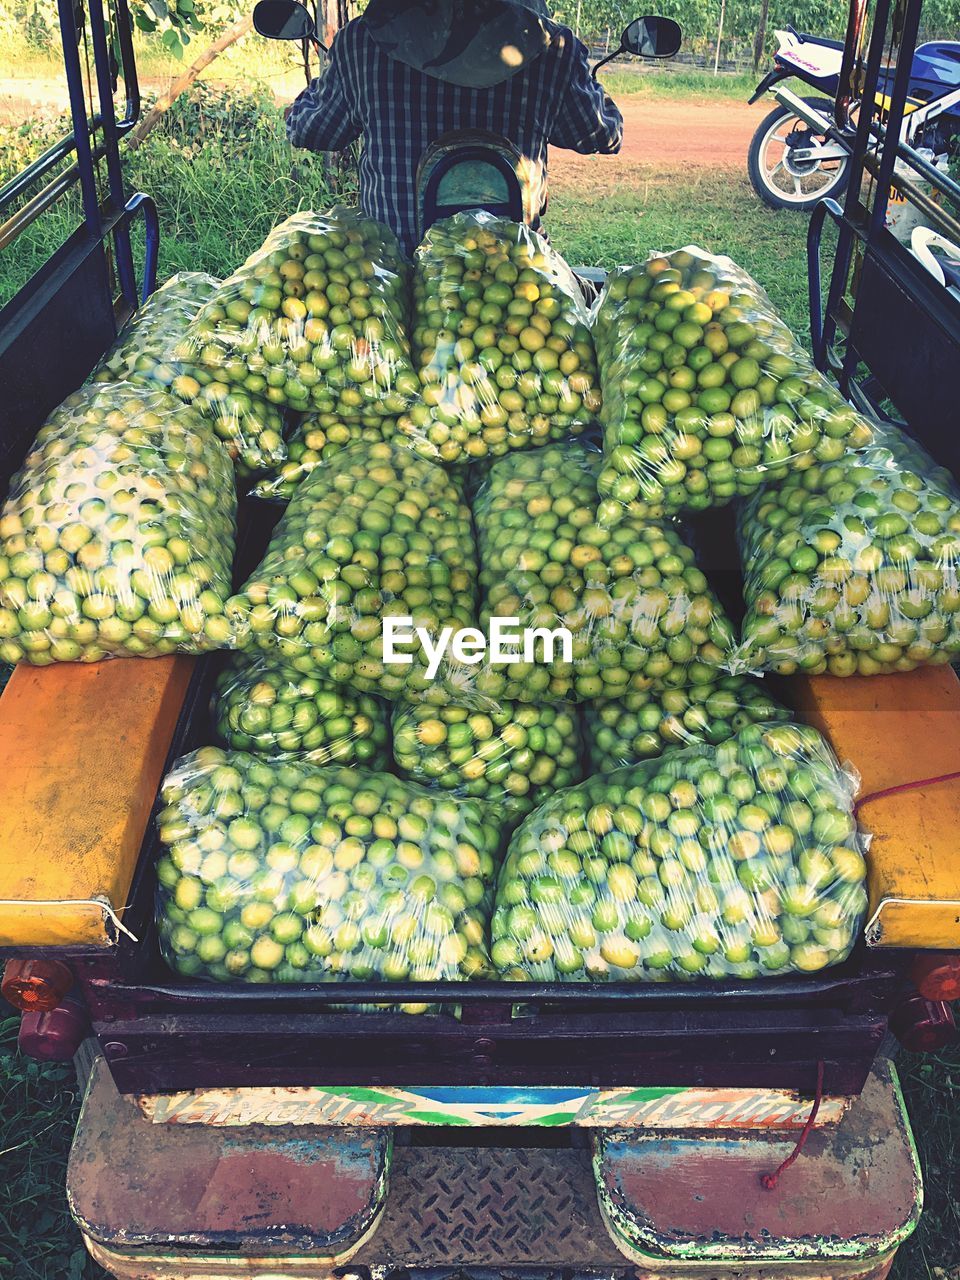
column 652, row 37
column 283, row 20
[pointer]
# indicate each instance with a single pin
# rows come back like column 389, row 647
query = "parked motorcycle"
column 795, row 161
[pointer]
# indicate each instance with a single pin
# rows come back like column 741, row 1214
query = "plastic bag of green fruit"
column 706, row 393
column 741, row 860
column 145, row 352
column 853, row 567
column 502, row 342
column 512, row 757
column 315, row 440
column 117, row 536
column 315, row 319
column 265, row 707
column 276, row 871
column 635, row 609
column 376, row 535
column 643, row 724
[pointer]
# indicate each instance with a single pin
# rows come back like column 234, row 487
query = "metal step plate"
column 257, row 1191
column 852, row 1196
column 492, row 1207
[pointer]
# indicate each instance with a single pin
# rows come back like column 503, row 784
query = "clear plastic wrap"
column 638, row 609
column 118, row 534
column 265, row 707
column 706, row 393
column 145, row 352
column 643, row 724
column 512, row 757
column 315, row 319
column 377, row 533
column 314, row 440
column 502, row 342
column 147, row 338
column 741, row 860
column 853, row 567
column 277, row 871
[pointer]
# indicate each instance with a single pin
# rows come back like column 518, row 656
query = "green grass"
column 668, row 82
column 220, row 170
column 718, row 212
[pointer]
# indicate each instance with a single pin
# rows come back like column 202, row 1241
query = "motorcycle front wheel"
column 781, row 180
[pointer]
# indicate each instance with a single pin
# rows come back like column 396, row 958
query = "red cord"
column 906, row 786
column 769, row 1181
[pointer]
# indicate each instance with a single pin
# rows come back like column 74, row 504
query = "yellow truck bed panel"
column 901, row 729
column 82, row 750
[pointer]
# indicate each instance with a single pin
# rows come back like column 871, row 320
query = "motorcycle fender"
column 768, row 81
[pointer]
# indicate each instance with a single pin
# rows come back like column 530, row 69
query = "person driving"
column 409, row 71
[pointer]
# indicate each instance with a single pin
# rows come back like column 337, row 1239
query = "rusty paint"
column 640, row 1108
column 897, row 729
column 855, row 1194
column 131, row 1184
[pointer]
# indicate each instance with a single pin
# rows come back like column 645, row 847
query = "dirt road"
column 674, row 134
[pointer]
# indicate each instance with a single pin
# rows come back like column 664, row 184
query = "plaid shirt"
column 399, row 112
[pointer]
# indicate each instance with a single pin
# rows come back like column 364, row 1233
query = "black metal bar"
column 78, row 112
column 756, row 992
column 128, row 65
column 894, row 115
column 814, row 285
column 851, row 207
column 142, row 203
column 121, row 235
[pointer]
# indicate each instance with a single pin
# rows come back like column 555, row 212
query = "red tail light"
column 54, row 1036
column 936, row 975
column 35, row 986
column 923, row 1026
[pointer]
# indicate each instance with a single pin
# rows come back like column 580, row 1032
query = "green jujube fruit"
column 706, row 393
column 853, row 568
column 511, row 757
column 314, row 321
column 741, row 860
column 315, row 440
column 117, row 536
column 502, row 342
column 145, row 352
column 643, row 724
column 265, row 707
column 638, row 609
column 283, row 871
column 376, row 533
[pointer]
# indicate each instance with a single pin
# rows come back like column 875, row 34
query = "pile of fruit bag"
column 283, row 871
column 149, row 351
column 853, row 567
column 638, row 609
column 502, row 342
column 316, row 317
column 315, row 439
column 741, row 860
column 512, row 757
column 263, row 706
column 643, row 724
column 376, row 533
column 118, row 534
column 706, row 393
